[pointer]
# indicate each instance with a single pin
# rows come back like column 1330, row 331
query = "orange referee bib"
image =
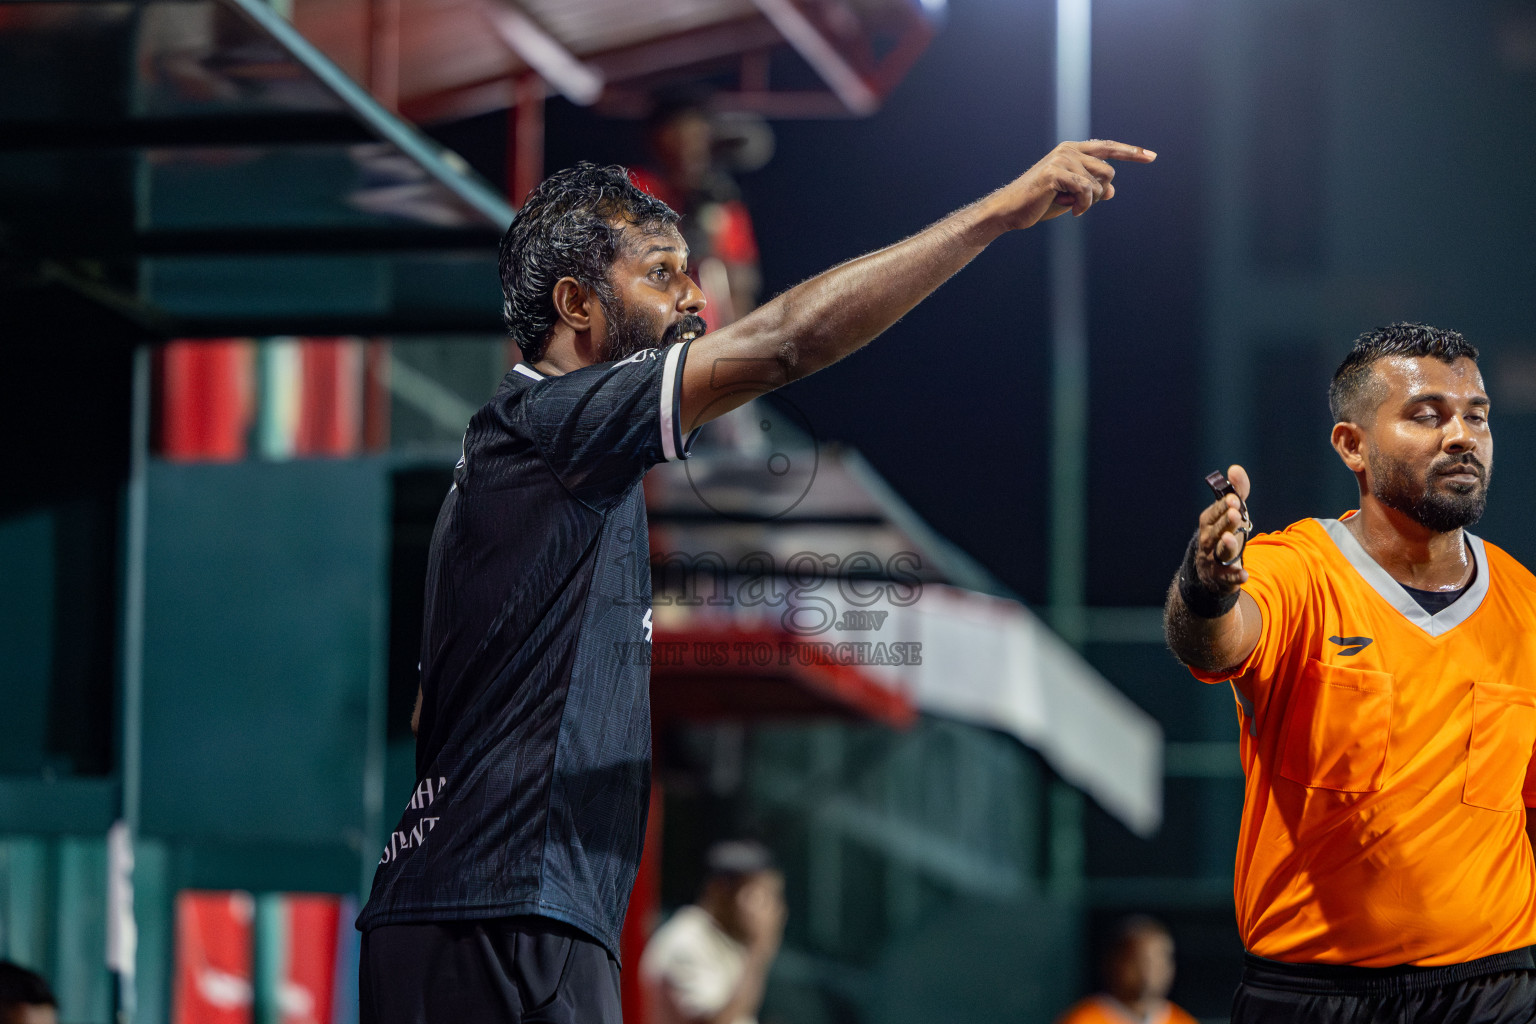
column 1388, row 758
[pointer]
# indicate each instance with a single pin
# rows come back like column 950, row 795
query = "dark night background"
column 951, row 405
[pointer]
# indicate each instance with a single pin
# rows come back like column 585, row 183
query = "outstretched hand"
column 1073, row 176
column 1221, row 524
column 1211, row 624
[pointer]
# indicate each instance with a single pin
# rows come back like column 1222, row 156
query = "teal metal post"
column 121, row 925
column 1069, row 342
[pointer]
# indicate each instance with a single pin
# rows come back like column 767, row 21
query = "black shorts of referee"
column 507, row 970
column 1498, row 989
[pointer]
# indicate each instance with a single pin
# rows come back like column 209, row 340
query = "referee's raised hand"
column 1223, row 526
column 1209, row 621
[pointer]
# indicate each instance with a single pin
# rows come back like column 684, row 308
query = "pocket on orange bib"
column 1337, row 730
column 1503, row 733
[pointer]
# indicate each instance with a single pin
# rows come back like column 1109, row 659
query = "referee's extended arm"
column 818, row 322
column 1219, row 633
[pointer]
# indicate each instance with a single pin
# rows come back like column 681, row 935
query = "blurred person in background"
column 1384, row 669
column 25, row 997
column 1137, row 974
column 709, row 963
column 691, row 145
column 502, row 891
column 695, row 149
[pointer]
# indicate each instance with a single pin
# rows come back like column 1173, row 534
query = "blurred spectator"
column 25, row 997
column 1137, row 974
column 708, row 963
column 690, row 145
column 695, row 150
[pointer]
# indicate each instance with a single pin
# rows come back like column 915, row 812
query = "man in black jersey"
column 501, row 892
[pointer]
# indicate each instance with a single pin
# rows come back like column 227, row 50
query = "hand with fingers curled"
column 1212, row 575
column 1073, row 176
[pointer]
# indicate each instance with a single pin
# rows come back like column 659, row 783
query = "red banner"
column 213, row 958
column 308, row 987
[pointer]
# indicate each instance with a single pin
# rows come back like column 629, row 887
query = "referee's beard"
column 629, row 332
column 1434, row 504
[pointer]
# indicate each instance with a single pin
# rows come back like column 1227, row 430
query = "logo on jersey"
column 643, row 355
column 646, row 622
column 1352, row 644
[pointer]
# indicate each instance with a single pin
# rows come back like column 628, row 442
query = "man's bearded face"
column 1429, row 497
column 631, row 331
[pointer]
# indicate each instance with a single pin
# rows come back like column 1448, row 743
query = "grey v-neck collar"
column 1392, row 592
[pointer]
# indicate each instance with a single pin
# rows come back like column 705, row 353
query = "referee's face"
column 656, row 302
column 1429, row 450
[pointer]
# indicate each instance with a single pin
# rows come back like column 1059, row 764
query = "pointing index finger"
column 1104, row 149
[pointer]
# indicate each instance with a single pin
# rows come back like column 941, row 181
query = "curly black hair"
column 1350, row 393
column 571, row 225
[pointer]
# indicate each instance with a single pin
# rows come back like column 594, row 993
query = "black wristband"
column 1198, row 596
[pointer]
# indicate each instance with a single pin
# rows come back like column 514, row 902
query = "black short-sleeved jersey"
column 533, row 756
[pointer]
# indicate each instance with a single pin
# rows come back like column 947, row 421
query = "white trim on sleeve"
column 673, row 447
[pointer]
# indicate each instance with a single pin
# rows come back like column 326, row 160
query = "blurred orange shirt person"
column 1102, row 1009
column 1388, row 758
column 1138, row 970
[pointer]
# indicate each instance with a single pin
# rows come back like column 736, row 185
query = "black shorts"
column 505, row 970
column 1498, row 989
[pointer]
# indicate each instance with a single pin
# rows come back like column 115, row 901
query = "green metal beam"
column 444, row 165
column 287, row 129
column 66, row 806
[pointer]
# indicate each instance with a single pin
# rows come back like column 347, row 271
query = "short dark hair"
column 1125, row 932
column 1351, row 387
column 21, row 987
column 736, row 858
column 670, row 105
column 567, row 228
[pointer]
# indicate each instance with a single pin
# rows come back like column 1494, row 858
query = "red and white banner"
column 213, row 958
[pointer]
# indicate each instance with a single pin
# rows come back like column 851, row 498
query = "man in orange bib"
column 1384, row 665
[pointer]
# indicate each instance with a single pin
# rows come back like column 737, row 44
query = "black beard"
column 628, row 332
column 1393, row 484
